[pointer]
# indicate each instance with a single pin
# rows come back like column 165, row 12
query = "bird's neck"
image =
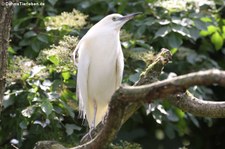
column 106, row 33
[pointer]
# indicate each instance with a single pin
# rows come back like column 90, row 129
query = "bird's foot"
column 89, row 133
column 91, row 129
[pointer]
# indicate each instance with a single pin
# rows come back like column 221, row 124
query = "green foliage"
column 42, row 91
column 216, row 31
column 40, row 101
column 34, row 31
column 60, row 55
column 39, row 98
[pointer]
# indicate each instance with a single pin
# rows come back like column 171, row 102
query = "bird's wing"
column 82, row 80
column 76, row 54
column 119, row 68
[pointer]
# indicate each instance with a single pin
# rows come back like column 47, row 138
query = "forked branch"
column 127, row 100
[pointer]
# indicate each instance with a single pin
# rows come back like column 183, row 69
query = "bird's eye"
column 114, row 18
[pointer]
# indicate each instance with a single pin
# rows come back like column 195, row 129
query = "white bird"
column 100, row 66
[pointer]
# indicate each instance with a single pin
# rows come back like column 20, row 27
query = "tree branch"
column 159, row 90
column 127, row 100
column 5, row 26
column 163, row 89
column 188, row 103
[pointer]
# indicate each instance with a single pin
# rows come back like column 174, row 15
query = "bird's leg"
column 95, row 112
column 93, row 122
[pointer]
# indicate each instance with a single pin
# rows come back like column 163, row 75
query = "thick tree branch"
column 5, row 26
column 158, row 90
column 163, row 89
column 188, row 103
column 127, row 100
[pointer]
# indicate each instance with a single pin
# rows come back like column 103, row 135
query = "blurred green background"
column 40, row 101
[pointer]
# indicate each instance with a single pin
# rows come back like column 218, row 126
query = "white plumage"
column 100, row 67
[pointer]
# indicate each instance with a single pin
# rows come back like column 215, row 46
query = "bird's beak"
column 130, row 16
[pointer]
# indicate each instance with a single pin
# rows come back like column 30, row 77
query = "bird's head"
column 116, row 21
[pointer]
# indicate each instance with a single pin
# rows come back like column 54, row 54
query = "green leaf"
column 11, row 50
column 46, row 107
column 223, row 29
column 24, row 42
column 66, row 75
column 25, row 76
column 174, row 41
column 192, row 58
column 194, row 120
column 52, row 2
column 69, row 109
column 162, row 32
column 54, row 59
column 217, row 40
column 200, row 25
column 143, row 44
column 23, row 124
column 194, row 33
column 140, row 31
column 30, row 34
column 204, row 33
column 212, row 29
column 206, row 19
column 70, row 128
column 170, row 131
column 181, row 30
column 122, row 6
column 42, row 38
column 57, row 84
column 35, row 46
column 67, row 94
column 173, row 50
column 180, row 113
column 134, row 77
column 149, row 21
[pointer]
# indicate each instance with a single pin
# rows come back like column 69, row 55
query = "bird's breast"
column 102, row 69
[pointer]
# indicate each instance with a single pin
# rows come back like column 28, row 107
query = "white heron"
column 100, row 63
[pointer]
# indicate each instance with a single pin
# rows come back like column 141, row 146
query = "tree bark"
column 5, row 26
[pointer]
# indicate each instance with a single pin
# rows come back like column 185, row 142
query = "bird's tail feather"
column 100, row 113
